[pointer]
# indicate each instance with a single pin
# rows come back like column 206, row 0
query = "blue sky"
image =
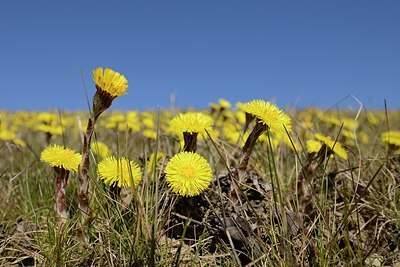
column 303, row 53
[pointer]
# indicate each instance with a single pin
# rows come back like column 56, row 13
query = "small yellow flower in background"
column 110, row 81
column 391, row 137
column 100, row 149
column 240, row 117
column 277, row 140
column 149, row 133
column 270, row 115
column 50, row 129
column 121, row 171
column 191, row 122
column 154, row 160
column 58, row 156
column 372, row 118
column 224, row 104
column 241, row 106
column 7, row 135
column 364, row 137
column 188, row 174
column 313, row 146
column 337, row 146
column 214, row 107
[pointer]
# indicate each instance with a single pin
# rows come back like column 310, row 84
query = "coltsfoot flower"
column 100, row 149
column 335, row 146
column 188, row 174
column 391, row 137
column 110, row 81
column 58, row 156
column 270, row 115
column 121, row 171
column 109, row 84
column 191, row 122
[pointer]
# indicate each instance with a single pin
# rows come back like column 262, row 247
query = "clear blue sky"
column 292, row 52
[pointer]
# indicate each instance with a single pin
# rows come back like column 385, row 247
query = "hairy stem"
column 83, row 175
column 61, row 199
column 258, row 129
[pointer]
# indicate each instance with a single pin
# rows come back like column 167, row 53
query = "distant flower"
column 335, row 146
column 47, row 117
column 7, row 135
column 149, row 133
column 121, row 171
column 154, row 160
column 391, row 137
column 270, row 115
column 188, row 174
column 58, row 156
column 224, row 104
column 100, row 149
column 313, row 146
column 110, row 81
column 191, row 122
column 50, row 129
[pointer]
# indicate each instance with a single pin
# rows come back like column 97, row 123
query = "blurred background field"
column 355, row 218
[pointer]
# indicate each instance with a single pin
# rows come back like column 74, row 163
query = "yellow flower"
column 11, row 136
column 58, row 156
column 191, row 122
column 120, row 171
column 270, row 115
column 188, row 174
column 53, row 130
column 153, row 161
column 224, row 104
column 110, row 81
column 149, row 133
column 100, row 149
column 313, row 146
column 47, row 117
column 337, row 147
column 214, row 107
column 391, row 137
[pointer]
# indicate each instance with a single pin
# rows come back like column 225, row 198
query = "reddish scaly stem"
column 61, row 199
column 83, row 174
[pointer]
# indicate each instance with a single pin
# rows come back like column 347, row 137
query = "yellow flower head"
column 224, row 104
column 337, row 147
column 53, row 130
column 47, row 117
column 11, row 136
column 270, row 115
column 391, row 137
column 149, row 133
column 100, row 149
column 121, row 171
column 191, row 122
column 58, row 156
column 110, row 81
column 214, row 107
column 313, row 146
column 154, row 160
column 188, row 174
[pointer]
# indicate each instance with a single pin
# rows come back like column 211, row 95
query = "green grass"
column 353, row 216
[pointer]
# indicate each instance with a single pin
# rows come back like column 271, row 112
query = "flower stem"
column 61, row 200
column 83, row 171
column 258, row 129
column 190, row 140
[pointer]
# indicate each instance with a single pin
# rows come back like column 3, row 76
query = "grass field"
column 291, row 207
